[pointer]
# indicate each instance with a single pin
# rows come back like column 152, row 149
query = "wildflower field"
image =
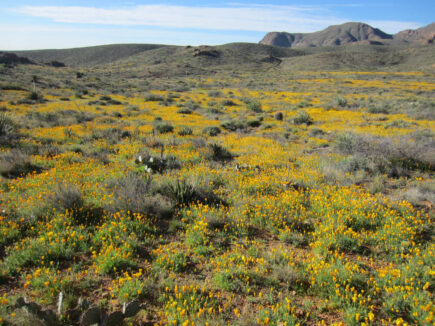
column 227, row 199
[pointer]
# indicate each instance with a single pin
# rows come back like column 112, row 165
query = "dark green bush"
column 184, row 111
column 218, row 153
column 164, row 127
column 233, row 125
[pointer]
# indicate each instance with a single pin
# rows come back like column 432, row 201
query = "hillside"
column 88, row 56
column 166, row 60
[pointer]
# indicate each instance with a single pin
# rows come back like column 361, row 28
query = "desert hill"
column 362, row 48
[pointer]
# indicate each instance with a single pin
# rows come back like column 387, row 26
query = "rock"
column 91, row 316
column 20, row 302
column 83, row 304
column 114, row 319
column 73, row 314
column 32, row 308
column 49, row 317
column 132, row 308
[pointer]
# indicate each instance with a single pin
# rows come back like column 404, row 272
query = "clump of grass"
column 185, row 131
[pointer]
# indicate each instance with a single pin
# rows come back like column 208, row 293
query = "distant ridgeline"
column 350, row 33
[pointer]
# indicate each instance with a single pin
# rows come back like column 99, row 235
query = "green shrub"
column 302, row 118
column 154, row 98
column 184, row 111
column 254, row 123
column 233, row 125
column 34, row 96
column 228, row 103
column 211, row 131
column 340, row 101
column 254, row 106
column 164, row 127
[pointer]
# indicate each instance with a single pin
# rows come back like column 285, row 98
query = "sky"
column 50, row 24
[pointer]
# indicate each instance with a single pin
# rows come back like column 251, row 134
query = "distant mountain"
column 424, row 35
column 349, row 33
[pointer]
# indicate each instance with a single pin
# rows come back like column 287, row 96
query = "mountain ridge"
column 349, row 33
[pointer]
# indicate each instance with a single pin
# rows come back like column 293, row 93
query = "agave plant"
column 181, row 192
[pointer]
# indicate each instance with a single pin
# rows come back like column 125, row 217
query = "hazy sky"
column 30, row 24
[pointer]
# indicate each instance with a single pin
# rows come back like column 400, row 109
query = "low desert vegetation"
column 229, row 199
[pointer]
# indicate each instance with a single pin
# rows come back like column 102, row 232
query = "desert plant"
column 8, row 129
column 219, row 153
column 134, row 193
column 184, row 111
column 211, row 131
column 16, row 163
column 302, row 118
column 233, row 125
column 181, row 192
column 68, row 197
column 164, row 127
column 254, row 106
column 185, row 131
